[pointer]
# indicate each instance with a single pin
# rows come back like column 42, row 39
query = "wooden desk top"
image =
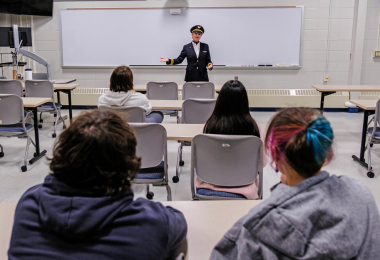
column 69, row 86
column 365, row 104
column 34, row 102
column 208, row 221
column 143, row 87
column 167, row 104
column 326, row 88
column 183, row 132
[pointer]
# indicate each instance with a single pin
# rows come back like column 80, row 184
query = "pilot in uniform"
column 198, row 58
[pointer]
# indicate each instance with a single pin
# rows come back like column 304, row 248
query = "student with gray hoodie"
column 120, row 95
column 310, row 214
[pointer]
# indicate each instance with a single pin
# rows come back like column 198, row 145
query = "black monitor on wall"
column 6, row 36
column 27, row 7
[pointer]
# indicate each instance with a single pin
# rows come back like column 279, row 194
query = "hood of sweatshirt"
column 75, row 213
column 116, row 98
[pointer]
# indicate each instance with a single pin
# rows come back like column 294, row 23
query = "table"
column 65, row 88
column 33, row 103
column 207, row 222
column 142, row 88
column 166, row 104
column 369, row 107
column 331, row 89
column 183, row 132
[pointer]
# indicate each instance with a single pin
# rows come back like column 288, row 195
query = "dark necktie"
column 195, row 42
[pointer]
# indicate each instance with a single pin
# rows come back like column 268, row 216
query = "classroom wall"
column 319, row 55
column 371, row 66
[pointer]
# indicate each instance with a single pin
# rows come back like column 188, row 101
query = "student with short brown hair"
column 85, row 207
column 121, row 95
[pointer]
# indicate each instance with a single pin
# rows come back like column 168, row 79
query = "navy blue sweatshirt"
column 55, row 221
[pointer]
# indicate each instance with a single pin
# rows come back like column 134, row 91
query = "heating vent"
column 257, row 97
column 371, row 95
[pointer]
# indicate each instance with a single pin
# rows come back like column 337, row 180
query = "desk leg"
column 37, row 155
column 58, row 96
column 70, row 105
column 361, row 159
column 323, row 94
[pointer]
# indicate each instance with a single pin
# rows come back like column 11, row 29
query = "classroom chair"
column 226, row 160
column 163, row 91
column 13, row 87
column 13, row 122
column 373, row 134
column 152, row 148
column 194, row 111
column 44, row 88
column 198, row 90
column 39, row 76
column 130, row 114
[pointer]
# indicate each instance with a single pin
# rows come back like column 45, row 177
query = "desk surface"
column 167, row 104
column 69, row 86
column 325, row 88
column 183, row 132
column 34, row 102
column 143, row 87
column 365, row 104
column 207, row 222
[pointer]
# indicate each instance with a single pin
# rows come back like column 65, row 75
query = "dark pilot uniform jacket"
column 196, row 67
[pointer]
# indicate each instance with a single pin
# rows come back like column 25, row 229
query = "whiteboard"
column 236, row 36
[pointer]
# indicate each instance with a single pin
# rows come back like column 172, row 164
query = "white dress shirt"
column 197, row 48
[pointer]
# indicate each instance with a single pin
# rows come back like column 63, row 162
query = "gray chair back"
column 13, row 87
column 11, row 109
column 198, row 90
column 197, row 111
column 39, row 88
column 151, row 144
column 130, row 114
column 162, row 91
column 40, row 76
column 227, row 160
column 3, row 77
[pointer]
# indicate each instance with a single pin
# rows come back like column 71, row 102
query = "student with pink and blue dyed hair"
column 310, row 213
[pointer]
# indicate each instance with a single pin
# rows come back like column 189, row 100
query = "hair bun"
column 320, row 136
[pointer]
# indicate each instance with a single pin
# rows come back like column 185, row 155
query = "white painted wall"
column 371, row 67
column 318, row 55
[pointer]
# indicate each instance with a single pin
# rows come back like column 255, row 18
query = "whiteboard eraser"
column 175, row 11
column 281, row 65
column 294, row 65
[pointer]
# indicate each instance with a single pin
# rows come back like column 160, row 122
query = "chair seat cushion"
column 207, row 192
column 377, row 133
column 16, row 128
column 156, row 172
column 50, row 105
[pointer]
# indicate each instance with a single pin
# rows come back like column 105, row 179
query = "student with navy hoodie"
column 85, row 207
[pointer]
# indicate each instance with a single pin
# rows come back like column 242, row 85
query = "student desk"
column 331, row 89
column 207, row 222
column 183, row 132
column 166, row 104
column 369, row 107
column 32, row 103
column 142, row 88
column 64, row 88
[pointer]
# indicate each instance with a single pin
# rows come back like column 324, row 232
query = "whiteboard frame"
column 184, row 66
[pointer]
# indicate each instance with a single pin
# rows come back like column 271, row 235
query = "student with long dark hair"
column 231, row 117
column 121, row 95
column 310, row 214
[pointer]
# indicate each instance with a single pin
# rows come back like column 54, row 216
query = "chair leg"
column 169, row 192
column 54, row 135
column 176, row 177
column 1, row 151
column 24, row 168
column 60, row 117
column 149, row 194
column 41, row 121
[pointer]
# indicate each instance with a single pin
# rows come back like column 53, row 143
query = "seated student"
column 120, row 94
column 85, row 207
column 231, row 117
column 311, row 214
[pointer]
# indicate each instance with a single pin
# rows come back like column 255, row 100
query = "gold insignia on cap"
column 199, row 26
